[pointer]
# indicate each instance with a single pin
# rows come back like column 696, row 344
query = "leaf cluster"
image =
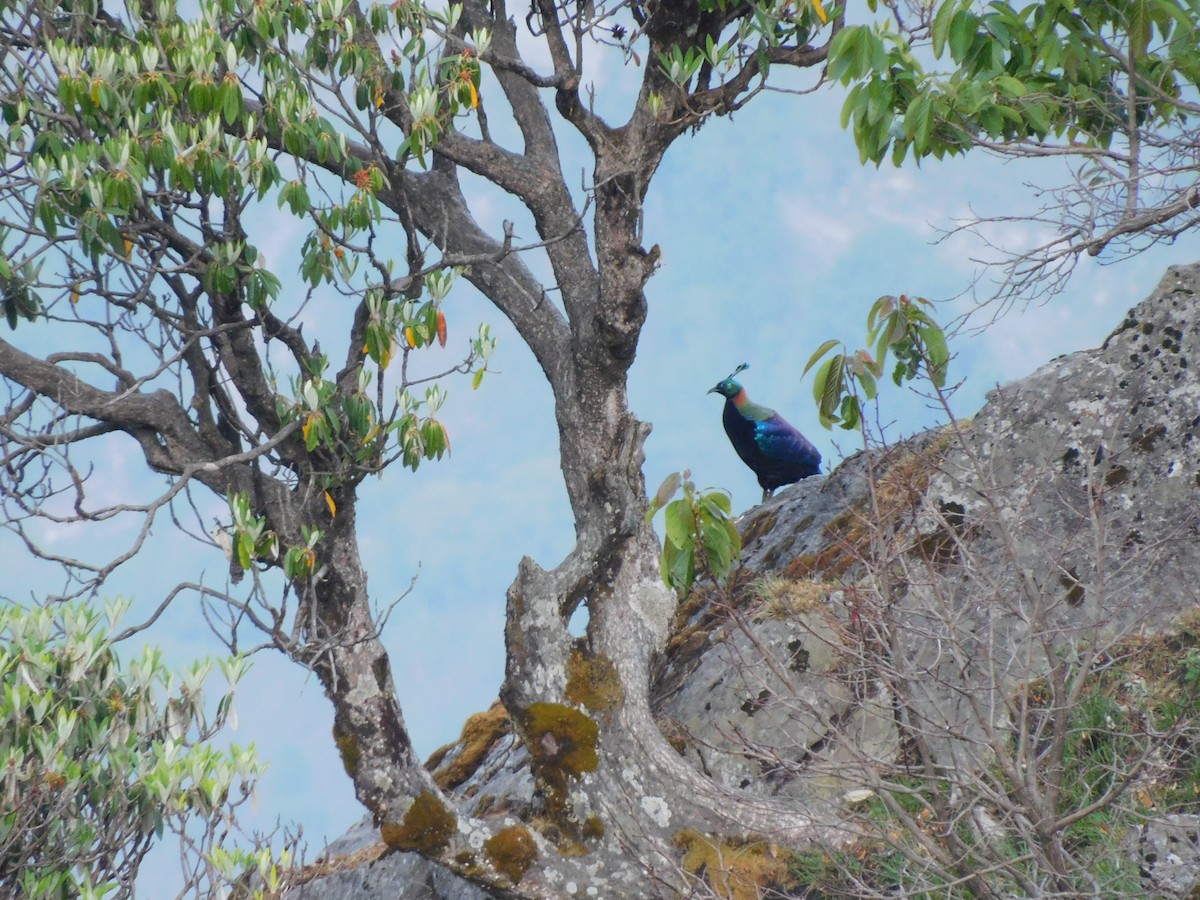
column 17, row 299
column 1061, row 69
column 701, row 537
column 896, row 325
column 98, row 759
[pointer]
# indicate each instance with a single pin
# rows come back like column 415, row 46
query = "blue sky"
column 774, row 239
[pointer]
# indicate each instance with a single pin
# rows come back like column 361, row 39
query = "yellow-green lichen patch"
column 592, row 682
column 426, row 828
column 348, row 750
column 562, row 738
column 784, row 598
column 512, row 851
column 735, row 868
column 479, row 734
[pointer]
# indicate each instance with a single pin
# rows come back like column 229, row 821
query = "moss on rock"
column 593, row 682
column 562, row 738
column 479, row 735
column 348, row 750
column 426, row 828
column 512, row 851
column 563, row 742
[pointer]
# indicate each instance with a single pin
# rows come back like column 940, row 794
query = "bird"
column 774, row 450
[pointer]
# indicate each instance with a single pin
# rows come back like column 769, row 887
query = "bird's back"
column 766, row 442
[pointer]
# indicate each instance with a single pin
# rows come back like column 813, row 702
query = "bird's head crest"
column 729, row 387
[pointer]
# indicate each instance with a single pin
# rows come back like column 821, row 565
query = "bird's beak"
column 715, row 390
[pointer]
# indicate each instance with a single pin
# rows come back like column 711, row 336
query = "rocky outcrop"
column 930, row 605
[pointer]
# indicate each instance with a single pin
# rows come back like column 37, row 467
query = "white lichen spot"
column 475, row 836
column 592, row 891
column 572, row 887
column 656, row 808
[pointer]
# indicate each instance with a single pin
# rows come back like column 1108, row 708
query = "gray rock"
column 1169, row 855
column 1062, row 517
column 402, row 876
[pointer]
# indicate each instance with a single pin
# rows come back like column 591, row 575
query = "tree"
column 1108, row 86
column 101, row 758
column 142, row 145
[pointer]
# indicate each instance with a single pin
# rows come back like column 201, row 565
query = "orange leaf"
column 474, row 94
column 410, row 336
column 820, row 11
column 332, row 506
column 441, row 328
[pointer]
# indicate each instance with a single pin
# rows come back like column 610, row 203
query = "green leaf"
column 829, row 377
column 850, row 107
column 963, row 28
column 918, row 123
column 718, row 503
column 849, row 412
column 845, row 54
column 820, row 351
column 680, row 523
column 941, row 26
column 869, row 386
column 678, row 567
column 718, row 548
column 879, row 309
column 879, row 101
column 1010, row 86
column 1140, row 26
column 245, row 549
column 937, row 353
column 231, row 102
column 1038, row 117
